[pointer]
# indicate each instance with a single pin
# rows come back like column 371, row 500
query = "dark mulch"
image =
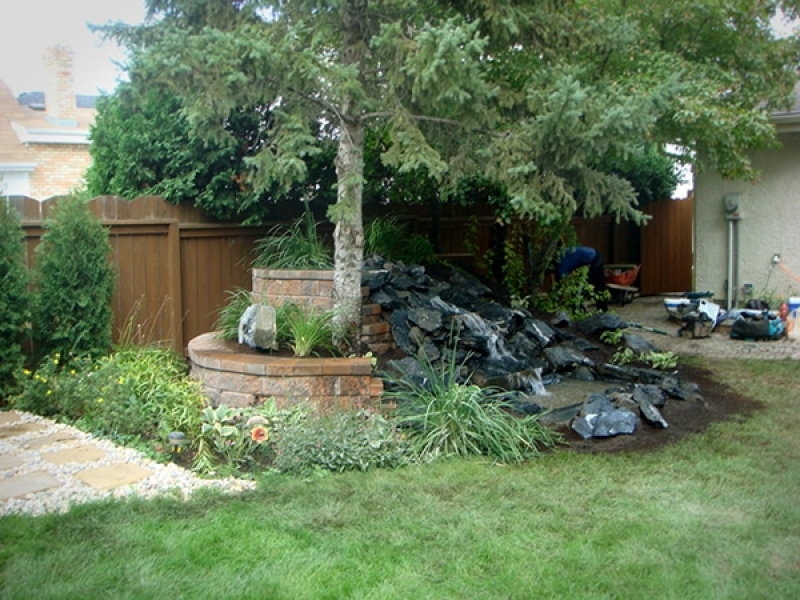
column 685, row 418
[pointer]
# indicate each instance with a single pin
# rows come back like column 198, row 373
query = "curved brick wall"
column 248, row 378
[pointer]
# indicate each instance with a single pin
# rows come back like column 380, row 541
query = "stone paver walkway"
column 57, row 449
column 49, row 467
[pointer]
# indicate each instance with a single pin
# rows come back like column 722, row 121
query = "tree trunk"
column 348, row 236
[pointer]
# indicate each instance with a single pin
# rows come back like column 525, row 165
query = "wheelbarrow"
column 619, row 281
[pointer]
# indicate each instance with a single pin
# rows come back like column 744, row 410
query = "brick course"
column 59, row 169
column 242, row 379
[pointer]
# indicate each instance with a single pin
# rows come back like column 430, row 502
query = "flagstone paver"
column 59, row 437
column 19, row 429
column 11, row 416
column 113, row 476
column 28, row 483
column 87, row 453
column 9, row 462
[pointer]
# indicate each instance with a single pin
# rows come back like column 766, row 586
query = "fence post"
column 174, row 285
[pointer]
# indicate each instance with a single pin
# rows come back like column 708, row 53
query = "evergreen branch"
column 429, row 119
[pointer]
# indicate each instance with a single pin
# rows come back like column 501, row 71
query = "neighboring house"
column 44, row 145
column 739, row 246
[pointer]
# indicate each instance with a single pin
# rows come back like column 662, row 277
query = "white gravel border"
column 166, row 479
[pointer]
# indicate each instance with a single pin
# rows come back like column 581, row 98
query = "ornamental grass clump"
column 227, row 323
column 309, row 330
column 447, row 416
column 295, row 247
column 389, row 238
column 306, row 331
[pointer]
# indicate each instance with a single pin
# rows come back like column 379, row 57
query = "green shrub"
column 71, row 304
column 389, row 238
column 571, row 294
column 135, row 394
column 342, row 441
column 447, row 418
column 42, row 389
column 14, row 301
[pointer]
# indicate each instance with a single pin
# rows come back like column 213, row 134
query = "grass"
column 713, row 516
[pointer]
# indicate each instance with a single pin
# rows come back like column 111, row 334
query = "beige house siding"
column 44, row 148
column 769, row 225
column 60, row 168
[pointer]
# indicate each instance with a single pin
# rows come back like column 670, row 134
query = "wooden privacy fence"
column 667, row 248
column 663, row 248
column 175, row 266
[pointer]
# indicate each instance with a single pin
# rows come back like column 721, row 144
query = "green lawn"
column 715, row 516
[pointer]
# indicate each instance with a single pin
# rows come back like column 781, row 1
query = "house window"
column 15, row 183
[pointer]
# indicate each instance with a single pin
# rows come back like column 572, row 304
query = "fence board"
column 174, row 266
column 667, row 247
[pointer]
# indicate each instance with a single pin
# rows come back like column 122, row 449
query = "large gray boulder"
column 257, row 327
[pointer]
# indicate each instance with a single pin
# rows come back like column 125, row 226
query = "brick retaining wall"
column 313, row 288
column 247, row 379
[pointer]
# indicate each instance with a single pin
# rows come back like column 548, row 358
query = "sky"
column 27, row 27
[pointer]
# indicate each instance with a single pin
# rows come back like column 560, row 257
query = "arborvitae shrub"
column 14, row 301
column 74, row 283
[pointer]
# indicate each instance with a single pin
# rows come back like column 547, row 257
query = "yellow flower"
column 72, row 371
column 99, row 400
column 26, row 372
column 121, row 380
column 49, row 392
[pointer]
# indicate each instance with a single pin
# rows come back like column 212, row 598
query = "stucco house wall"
column 769, row 224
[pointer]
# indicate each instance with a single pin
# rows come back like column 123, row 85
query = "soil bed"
column 685, row 418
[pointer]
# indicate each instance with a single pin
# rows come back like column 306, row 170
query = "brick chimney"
column 59, row 94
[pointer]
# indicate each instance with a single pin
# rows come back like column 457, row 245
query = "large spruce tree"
column 536, row 95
